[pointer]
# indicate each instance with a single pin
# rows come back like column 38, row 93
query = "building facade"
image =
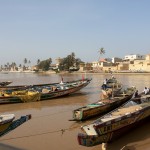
column 134, row 56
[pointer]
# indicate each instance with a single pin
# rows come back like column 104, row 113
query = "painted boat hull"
column 49, row 95
column 89, row 141
column 112, row 129
column 62, row 92
column 37, row 85
column 96, row 109
column 100, row 110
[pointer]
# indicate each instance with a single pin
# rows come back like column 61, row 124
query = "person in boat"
column 54, row 88
column 146, row 90
column 109, row 93
column 112, row 76
column 61, row 82
column 136, row 94
column 62, row 85
column 106, row 94
column 104, row 86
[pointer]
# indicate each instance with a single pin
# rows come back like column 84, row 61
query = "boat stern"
column 87, row 141
column 6, row 118
column 77, row 115
column 89, row 130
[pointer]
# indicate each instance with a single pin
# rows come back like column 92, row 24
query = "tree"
column 73, row 60
column 13, row 65
column 78, row 62
column 69, row 61
column 25, row 60
column 38, row 61
column 5, row 66
column 101, row 52
column 45, row 64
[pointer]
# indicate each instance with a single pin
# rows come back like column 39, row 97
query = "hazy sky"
column 42, row 29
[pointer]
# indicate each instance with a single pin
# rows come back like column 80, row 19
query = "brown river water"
column 44, row 130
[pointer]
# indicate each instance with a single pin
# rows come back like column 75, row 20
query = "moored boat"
column 7, row 123
column 64, row 89
column 44, row 92
column 104, row 105
column 21, row 87
column 110, row 83
column 112, row 125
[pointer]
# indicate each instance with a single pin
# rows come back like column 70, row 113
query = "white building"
column 134, row 56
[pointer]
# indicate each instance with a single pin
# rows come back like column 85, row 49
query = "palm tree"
column 25, row 60
column 73, row 59
column 13, row 65
column 8, row 66
column 101, row 52
column 5, row 66
column 38, row 61
column 29, row 62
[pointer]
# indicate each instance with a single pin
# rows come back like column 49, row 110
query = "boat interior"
column 128, row 108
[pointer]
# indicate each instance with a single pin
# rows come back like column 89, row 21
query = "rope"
column 46, row 132
column 38, row 134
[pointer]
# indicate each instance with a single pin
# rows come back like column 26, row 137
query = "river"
column 49, row 128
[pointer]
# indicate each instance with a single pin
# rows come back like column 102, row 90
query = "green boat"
column 103, row 106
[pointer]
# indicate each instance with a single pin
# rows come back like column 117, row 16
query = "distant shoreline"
column 66, row 72
column 104, row 73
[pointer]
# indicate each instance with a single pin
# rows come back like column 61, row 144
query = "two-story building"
column 141, row 65
column 134, row 57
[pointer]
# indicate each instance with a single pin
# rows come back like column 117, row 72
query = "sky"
column 42, row 29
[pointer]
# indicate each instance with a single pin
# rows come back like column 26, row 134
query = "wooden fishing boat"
column 7, row 123
column 64, row 89
column 112, row 125
column 5, row 83
column 43, row 92
column 20, row 87
column 111, row 83
column 102, row 106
